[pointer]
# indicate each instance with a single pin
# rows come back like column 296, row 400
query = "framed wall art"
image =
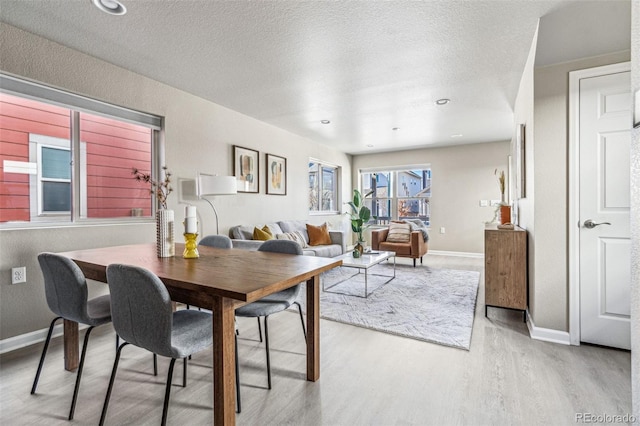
column 276, row 175
column 246, row 169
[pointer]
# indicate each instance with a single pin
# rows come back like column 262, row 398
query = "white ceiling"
column 367, row 66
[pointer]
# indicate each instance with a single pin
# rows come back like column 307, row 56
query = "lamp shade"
column 215, row 185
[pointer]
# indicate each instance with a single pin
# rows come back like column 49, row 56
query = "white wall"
column 523, row 114
column 199, row 137
column 550, row 207
column 461, row 176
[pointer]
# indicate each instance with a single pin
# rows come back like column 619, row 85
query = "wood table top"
column 242, row 275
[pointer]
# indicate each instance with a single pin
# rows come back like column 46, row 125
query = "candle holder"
column 190, row 246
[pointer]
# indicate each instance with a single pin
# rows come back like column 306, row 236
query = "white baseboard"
column 455, row 253
column 28, row 339
column 547, row 334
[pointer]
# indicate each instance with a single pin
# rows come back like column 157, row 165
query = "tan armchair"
column 415, row 248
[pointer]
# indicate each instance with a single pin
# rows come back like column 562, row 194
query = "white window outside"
column 402, row 193
column 323, row 187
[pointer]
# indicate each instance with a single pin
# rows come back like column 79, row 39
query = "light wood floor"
column 367, row 378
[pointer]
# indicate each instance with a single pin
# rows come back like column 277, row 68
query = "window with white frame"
column 398, row 193
column 323, row 187
column 70, row 158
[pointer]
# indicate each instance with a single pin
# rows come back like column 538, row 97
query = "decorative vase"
column 190, row 246
column 359, row 247
column 165, row 243
column 505, row 214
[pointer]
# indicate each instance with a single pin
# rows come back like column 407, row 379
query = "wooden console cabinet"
column 505, row 269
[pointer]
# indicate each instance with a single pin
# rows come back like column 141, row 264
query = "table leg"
column 313, row 328
column 366, row 292
column 223, row 362
column 70, row 345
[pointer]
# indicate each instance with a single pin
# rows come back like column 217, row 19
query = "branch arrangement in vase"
column 501, row 184
column 160, row 189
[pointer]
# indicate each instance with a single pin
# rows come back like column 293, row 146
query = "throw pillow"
column 263, row 234
column 399, row 232
column 293, row 236
column 318, row 235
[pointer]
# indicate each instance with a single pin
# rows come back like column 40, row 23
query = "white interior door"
column 605, row 262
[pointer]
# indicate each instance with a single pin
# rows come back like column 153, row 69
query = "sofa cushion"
column 241, row 232
column 331, row 250
column 263, row 234
column 295, row 225
column 401, row 249
column 318, row 235
column 293, row 236
column 399, row 232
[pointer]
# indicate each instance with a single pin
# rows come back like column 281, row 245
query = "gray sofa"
column 242, row 238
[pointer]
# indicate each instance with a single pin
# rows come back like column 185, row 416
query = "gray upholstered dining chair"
column 142, row 316
column 219, row 241
column 67, row 296
column 276, row 302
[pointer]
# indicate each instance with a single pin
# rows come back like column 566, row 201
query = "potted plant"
column 359, row 216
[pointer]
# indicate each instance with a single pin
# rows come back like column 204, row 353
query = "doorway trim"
column 574, row 188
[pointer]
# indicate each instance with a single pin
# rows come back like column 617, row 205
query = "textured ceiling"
column 367, row 66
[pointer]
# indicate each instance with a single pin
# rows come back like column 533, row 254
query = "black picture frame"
column 276, row 174
column 246, row 169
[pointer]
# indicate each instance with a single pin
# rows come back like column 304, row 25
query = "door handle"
column 590, row 224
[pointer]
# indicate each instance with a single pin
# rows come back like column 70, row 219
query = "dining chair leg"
column 155, row 364
column 79, row 375
column 111, row 380
column 167, row 393
column 44, row 353
column 184, row 373
column 304, row 330
column 266, row 339
column 259, row 329
column 117, row 341
column 238, row 402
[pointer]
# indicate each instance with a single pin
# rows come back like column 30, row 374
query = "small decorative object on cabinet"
column 505, row 269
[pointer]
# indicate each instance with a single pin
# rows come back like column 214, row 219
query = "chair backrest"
column 219, row 241
column 65, row 287
column 140, row 308
column 281, row 246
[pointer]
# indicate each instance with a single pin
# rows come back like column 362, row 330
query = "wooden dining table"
column 221, row 280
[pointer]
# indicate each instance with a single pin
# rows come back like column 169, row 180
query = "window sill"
column 18, row 226
column 325, row 213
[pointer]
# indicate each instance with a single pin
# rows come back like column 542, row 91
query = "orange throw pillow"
column 318, row 235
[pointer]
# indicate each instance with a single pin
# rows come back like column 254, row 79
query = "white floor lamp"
column 211, row 185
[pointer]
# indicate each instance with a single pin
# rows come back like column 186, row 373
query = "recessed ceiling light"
column 396, row 128
column 112, row 7
column 443, row 101
column 325, row 121
column 456, row 135
column 369, row 146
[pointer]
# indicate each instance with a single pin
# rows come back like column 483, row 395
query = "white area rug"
column 434, row 305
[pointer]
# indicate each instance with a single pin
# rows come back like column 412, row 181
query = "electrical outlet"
column 442, row 229
column 19, row 275
column 495, row 203
column 484, row 203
